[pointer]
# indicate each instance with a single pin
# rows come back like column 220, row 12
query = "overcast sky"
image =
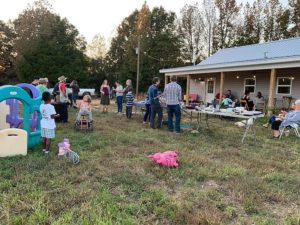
column 93, row 17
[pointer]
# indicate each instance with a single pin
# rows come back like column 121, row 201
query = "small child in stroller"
column 85, row 108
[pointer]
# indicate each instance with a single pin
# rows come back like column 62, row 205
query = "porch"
column 278, row 86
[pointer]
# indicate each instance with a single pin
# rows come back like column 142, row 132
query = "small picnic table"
column 249, row 117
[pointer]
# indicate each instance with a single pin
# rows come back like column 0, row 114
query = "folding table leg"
column 206, row 120
column 246, row 131
column 198, row 121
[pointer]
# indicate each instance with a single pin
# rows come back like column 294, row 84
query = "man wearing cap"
column 63, row 98
column 42, row 87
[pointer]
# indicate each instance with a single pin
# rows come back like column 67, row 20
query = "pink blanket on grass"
column 167, row 159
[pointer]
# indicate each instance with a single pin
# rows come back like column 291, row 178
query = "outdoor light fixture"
column 254, row 77
column 292, row 78
column 237, row 77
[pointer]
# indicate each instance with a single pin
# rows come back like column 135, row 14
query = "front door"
column 210, row 90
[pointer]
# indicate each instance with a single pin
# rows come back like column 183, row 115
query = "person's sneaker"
column 266, row 125
column 46, row 153
column 44, row 150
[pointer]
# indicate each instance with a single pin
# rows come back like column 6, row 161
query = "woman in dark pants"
column 291, row 118
column 75, row 91
column 147, row 110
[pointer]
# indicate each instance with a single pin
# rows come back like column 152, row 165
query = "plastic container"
column 13, row 142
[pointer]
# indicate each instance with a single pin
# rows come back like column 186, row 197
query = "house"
column 272, row 68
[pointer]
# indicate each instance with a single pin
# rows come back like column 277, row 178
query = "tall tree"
column 295, row 17
column 159, row 46
column 228, row 11
column 191, row 28
column 7, row 53
column 48, row 45
column 117, row 54
column 97, row 48
column 253, row 20
column 277, row 21
column 209, row 20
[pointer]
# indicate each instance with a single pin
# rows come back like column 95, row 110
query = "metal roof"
column 247, row 57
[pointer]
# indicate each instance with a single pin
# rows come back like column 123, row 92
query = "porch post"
column 222, row 86
column 188, row 82
column 272, row 90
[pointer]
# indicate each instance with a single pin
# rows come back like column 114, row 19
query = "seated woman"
column 85, row 108
column 247, row 101
column 289, row 119
column 259, row 101
column 280, row 116
column 227, row 102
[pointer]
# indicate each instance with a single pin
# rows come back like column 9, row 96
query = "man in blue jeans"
column 154, row 103
column 173, row 94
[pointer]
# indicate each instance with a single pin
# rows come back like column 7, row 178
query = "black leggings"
column 276, row 124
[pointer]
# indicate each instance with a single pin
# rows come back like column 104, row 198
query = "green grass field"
column 219, row 181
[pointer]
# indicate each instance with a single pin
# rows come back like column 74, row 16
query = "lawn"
column 219, row 181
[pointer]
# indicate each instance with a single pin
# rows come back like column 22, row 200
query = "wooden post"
column 222, row 86
column 188, row 82
column 272, row 90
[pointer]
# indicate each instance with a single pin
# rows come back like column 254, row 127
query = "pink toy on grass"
column 63, row 147
column 167, row 159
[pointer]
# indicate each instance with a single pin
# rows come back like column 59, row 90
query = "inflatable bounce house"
column 19, row 119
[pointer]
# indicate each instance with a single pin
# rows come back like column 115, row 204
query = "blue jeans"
column 174, row 109
column 147, row 113
column 74, row 98
column 119, row 103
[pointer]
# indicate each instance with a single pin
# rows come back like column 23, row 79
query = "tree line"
column 41, row 43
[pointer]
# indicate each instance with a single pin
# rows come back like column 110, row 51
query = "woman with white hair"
column 290, row 118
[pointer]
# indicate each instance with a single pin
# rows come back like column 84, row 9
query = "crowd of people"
column 155, row 99
column 170, row 98
column 229, row 100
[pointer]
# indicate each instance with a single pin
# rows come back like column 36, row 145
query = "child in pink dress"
column 85, row 108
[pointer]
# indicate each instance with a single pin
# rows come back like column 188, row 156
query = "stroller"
column 84, row 124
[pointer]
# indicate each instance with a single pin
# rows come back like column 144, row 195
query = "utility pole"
column 138, row 50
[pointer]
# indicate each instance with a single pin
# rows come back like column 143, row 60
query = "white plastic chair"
column 293, row 127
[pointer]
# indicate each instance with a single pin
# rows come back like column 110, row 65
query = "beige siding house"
column 272, row 68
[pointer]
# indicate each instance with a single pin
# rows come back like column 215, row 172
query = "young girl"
column 119, row 96
column 129, row 103
column 85, row 107
column 105, row 90
column 47, row 123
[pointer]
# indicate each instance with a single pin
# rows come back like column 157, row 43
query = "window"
column 250, row 84
column 210, row 87
column 284, row 85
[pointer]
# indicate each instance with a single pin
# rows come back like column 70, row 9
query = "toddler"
column 85, row 108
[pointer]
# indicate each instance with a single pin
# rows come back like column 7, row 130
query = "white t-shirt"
column 47, row 110
column 119, row 88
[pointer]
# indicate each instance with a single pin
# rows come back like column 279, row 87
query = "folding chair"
column 293, row 127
